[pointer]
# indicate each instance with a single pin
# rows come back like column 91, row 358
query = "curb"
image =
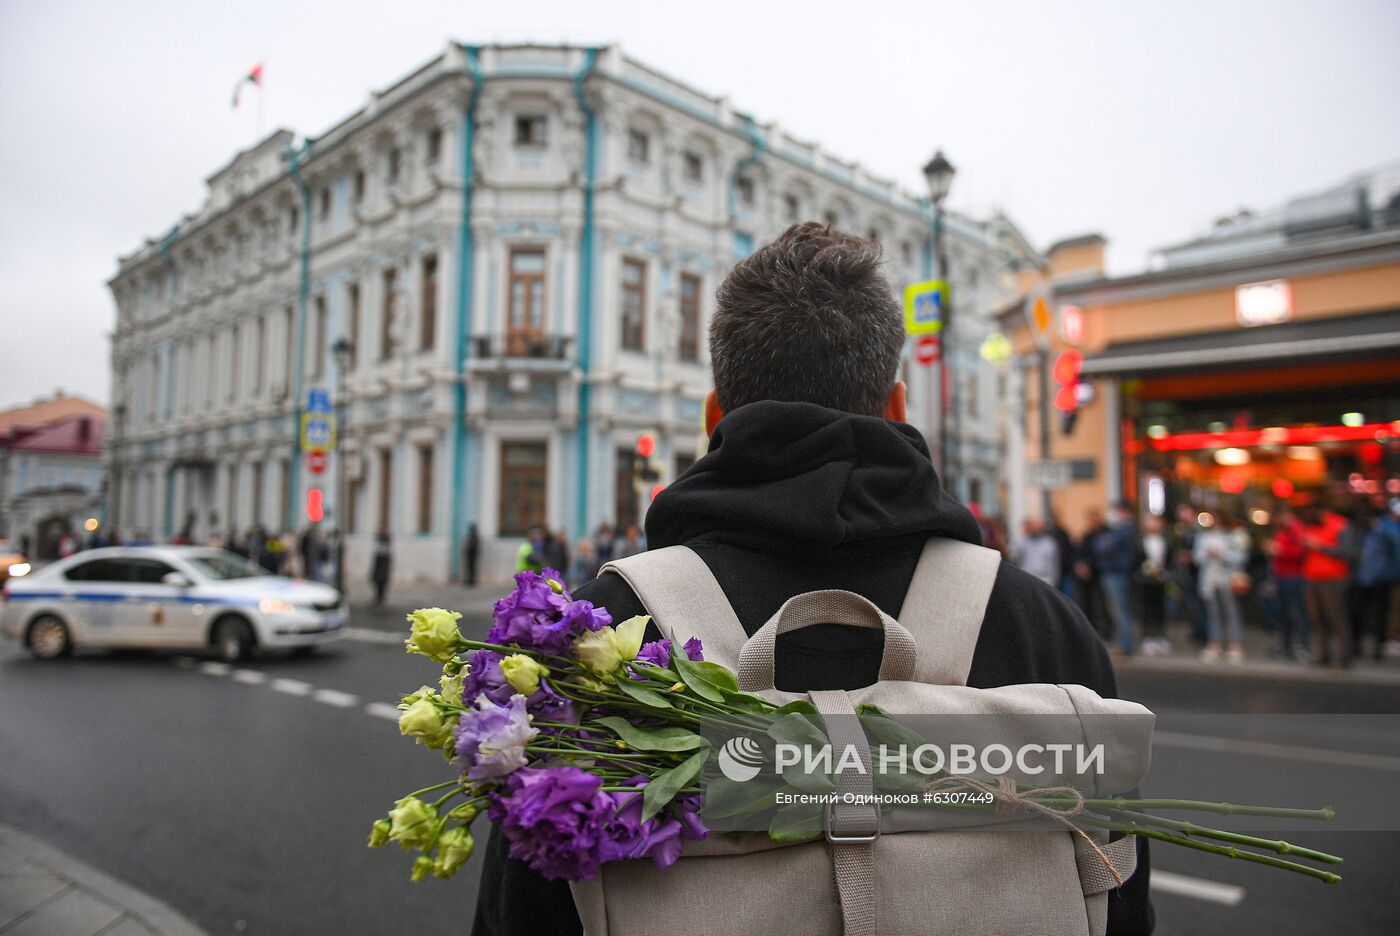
column 1279, row 672
column 131, row 910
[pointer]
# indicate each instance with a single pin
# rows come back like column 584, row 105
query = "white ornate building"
column 598, row 204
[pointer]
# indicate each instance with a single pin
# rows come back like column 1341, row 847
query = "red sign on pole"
column 928, row 350
column 316, row 461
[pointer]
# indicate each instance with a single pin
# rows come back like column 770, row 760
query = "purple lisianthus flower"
column 555, row 820
column 485, row 680
column 537, row 617
column 491, row 738
column 660, row 838
column 694, row 650
column 657, row 653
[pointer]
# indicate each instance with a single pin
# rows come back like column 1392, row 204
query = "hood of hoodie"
column 785, row 477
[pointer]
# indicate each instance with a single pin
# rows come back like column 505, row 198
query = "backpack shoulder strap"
column 681, row 594
column 944, row 607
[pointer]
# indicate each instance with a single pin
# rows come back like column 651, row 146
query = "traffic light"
column 315, row 505
column 1067, row 387
column 646, row 472
column 646, row 445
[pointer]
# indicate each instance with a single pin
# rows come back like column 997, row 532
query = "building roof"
column 48, row 410
column 80, row 434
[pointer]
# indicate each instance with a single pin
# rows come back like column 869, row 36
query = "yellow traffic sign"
column 924, row 306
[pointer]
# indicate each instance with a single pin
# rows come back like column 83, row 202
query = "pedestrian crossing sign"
column 924, row 305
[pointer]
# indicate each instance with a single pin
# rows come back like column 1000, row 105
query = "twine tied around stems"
column 1007, row 798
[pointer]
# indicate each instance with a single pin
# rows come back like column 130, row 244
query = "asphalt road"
column 243, row 797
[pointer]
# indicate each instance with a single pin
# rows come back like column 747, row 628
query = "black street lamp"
column 114, row 487
column 938, row 173
column 344, row 352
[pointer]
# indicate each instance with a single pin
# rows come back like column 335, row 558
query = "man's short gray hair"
column 807, row 318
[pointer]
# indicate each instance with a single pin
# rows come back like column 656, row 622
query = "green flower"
column 523, row 673
column 604, row 650
column 379, row 833
column 422, row 867
column 452, row 687
column 434, row 633
column 412, row 823
column 454, row 848
column 424, row 720
column 465, row 813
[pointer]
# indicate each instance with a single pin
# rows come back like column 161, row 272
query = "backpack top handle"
column 756, row 670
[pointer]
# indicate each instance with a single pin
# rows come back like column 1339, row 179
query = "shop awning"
column 1319, row 338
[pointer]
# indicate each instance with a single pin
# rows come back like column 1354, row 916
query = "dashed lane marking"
column 336, row 697
column 291, row 686
column 251, row 677
column 383, row 710
column 1166, row 882
column 213, row 668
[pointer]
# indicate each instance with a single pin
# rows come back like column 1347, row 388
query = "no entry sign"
column 928, row 349
column 316, row 461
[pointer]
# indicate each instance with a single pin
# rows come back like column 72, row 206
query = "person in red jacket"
column 1286, row 552
column 1325, row 569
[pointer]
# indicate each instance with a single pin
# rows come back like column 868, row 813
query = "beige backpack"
column 859, row 882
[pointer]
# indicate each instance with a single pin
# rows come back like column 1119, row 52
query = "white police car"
column 177, row 597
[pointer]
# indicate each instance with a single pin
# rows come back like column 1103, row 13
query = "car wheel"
column 233, row 640
column 48, row 638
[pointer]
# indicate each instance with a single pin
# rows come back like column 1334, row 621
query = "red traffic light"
column 1067, row 364
column 315, row 507
column 646, row 445
column 1067, row 398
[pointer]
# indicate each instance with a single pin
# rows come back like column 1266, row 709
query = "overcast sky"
column 1143, row 122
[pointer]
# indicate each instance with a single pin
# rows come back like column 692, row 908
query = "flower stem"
column 1191, row 829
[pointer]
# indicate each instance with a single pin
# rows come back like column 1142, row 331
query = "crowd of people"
column 546, row 549
column 1320, row 578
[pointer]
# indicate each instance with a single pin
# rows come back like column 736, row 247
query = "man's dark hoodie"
column 792, row 498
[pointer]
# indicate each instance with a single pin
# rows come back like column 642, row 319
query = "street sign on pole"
column 318, row 400
column 316, row 461
column 317, row 431
column 928, row 349
column 1050, row 474
column 924, row 306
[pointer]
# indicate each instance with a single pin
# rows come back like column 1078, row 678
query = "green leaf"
column 799, row 822
column 725, row 797
column 640, row 692
column 708, row 680
column 797, row 729
column 801, row 706
column 664, row 788
column 750, row 704
column 653, row 739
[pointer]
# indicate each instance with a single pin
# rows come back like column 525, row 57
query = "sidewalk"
column 44, row 892
column 1259, row 662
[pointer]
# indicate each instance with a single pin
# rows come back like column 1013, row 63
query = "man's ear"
column 895, row 410
column 713, row 414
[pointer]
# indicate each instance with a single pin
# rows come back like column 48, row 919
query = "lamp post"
column 938, row 173
column 114, row 489
column 344, row 351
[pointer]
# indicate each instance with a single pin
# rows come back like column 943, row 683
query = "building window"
column 386, row 485
column 427, row 312
column 524, row 477
column 743, row 188
column 434, row 145
column 290, row 344
column 395, row 165
column 259, row 354
column 792, row 208
column 285, row 501
column 352, row 329
column 530, row 130
column 525, row 321
column 235, row 363
column 325, row 200
column 639, row 147
column 352, row 508
column 293, row 216
column 694, row 168
column 386, row 314
column 359, row 186
column 318, row 339
column 624, row 489
column 634, row 303
column 257, row 480
column 690, row 318
column 425, row 489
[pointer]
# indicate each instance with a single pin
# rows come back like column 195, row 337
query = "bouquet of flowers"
column 582, row 744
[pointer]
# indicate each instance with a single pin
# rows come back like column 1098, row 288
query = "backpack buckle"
column 840, row 838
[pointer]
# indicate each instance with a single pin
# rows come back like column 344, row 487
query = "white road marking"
column 213, row 668
column 251, row 677
column 368, row 635
column 1328, row 756
column 1196, row 888
column 291, row 686
column 335, row 697
column 383, row 710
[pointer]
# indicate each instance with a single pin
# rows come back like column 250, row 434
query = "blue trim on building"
column 303, row 292
column 466, row 256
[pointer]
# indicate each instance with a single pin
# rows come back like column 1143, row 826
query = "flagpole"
column 262, row 92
